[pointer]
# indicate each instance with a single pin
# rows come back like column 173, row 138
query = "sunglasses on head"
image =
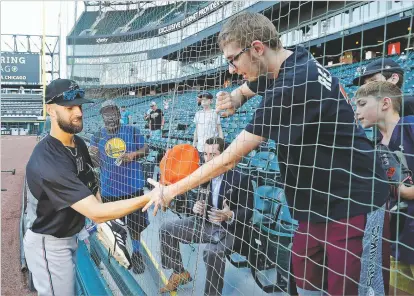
column 69, row 95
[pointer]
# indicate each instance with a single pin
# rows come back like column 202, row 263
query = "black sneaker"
column 113, row 236
column 138, row 266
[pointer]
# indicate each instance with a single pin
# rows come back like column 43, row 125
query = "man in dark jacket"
column 221, row 217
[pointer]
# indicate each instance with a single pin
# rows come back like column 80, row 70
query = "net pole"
column 44, row 60
column 59, row 38
column 74, row 45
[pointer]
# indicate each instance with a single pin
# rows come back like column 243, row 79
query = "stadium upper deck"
column 147, row 45
column 102, row 22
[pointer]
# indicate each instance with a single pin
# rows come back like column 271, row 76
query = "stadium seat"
column 271, row 145
column 271, row 239
column 85, row 21
column 152, row 156
column 113, row 20
column 244, row 163
column 270, row 175
column 271, row 212
column 260, row 160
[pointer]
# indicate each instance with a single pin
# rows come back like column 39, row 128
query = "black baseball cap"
column 385, row 64
column 205, row 95
column 65, row 92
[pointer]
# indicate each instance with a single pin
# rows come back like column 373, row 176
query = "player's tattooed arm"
column 99, row 212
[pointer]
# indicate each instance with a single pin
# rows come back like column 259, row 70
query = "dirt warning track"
column 15, row 152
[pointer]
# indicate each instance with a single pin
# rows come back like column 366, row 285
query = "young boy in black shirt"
column 378, row 105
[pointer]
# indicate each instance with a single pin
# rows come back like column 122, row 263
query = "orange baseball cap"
column 178, row 163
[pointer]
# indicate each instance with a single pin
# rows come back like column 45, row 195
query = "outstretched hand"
column 159, row 197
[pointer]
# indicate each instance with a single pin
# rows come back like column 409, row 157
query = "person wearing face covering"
column 116, row 149
column 207, row 123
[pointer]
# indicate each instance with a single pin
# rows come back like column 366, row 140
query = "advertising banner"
column 20, row 68
column 131, row 36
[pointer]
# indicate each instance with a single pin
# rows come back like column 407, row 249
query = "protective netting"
column 310, row 183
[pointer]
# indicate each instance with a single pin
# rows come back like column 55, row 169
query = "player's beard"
column 69, row 127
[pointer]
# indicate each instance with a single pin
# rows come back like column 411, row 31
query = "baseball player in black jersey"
column 60, row 177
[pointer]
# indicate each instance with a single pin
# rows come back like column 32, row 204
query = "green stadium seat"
column 271, row 212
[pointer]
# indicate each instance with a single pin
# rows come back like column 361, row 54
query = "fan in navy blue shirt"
column 378, row 104
column 333, row 181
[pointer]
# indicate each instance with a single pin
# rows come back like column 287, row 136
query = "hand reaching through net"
column 177, row 163
column 160, row 196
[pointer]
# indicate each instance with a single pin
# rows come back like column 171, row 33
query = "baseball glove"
column 395, row 166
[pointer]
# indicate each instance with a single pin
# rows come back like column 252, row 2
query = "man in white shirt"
column 222, row 212
column 207, row 123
